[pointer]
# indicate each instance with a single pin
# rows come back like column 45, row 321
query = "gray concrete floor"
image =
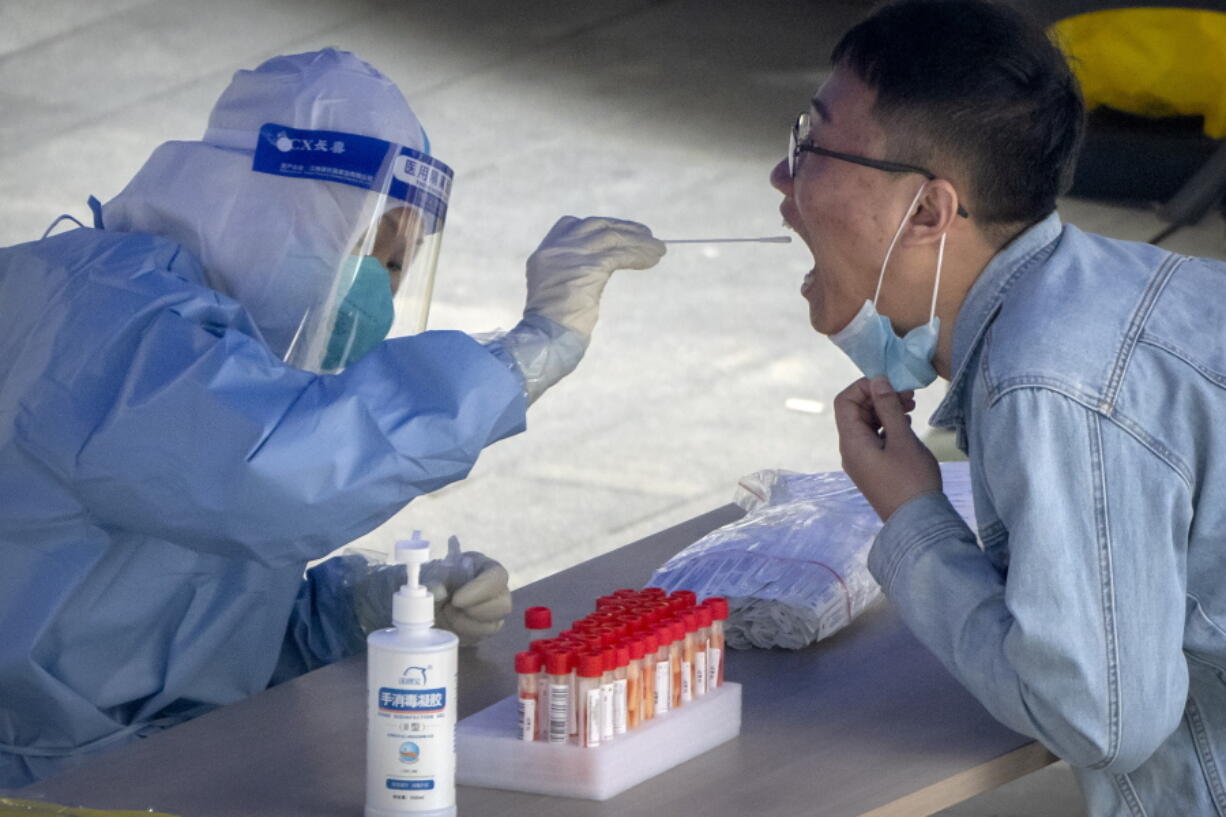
column 669, row 112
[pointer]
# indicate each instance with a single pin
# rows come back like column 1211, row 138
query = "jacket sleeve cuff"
column 916, row 524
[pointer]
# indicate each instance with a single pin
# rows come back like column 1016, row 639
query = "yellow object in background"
column 1150, row 61
column 36, row 808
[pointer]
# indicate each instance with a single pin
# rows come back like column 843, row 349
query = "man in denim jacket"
column 1087, row 386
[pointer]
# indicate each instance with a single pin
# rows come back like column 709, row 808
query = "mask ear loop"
column 932, row 311
column 894, row 240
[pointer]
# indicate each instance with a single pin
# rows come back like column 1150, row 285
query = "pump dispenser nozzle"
column 413, row 604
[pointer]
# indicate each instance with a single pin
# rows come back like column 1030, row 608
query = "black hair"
column 974, row 86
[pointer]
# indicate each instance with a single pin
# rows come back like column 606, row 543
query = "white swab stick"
column 770, row 239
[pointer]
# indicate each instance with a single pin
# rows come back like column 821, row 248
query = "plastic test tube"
column 542, row 646
column 621, row 688
column 663, row 698
column 634, row 686
column 674, row 657
column 689, row 663
column 527, row 668
column 559, row 666
column 647, row 675
column 575, row 647
column 609, row 656
column 715, row 655
column 591, row 667
column 701, row 646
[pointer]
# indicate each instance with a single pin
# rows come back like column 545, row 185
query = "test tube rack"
column 490, row 753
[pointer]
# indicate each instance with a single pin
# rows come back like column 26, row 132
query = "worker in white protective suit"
column 220, row 382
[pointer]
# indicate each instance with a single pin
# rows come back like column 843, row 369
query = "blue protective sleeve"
column 201, row 437
column 164, row 480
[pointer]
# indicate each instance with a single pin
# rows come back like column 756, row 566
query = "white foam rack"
column 490, row 753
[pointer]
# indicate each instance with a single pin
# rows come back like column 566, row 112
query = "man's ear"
column 935, row 215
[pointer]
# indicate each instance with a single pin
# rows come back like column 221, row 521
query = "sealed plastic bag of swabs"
column 794, row 568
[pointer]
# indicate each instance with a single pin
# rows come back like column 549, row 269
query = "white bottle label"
column 593, row 717
column 619, row 706
column 527, row 719
column 700, row 672
column 606, row 711
column 410, row 735
column 687, row 688
column 713, row 658
column 663, row 691
column 559, row 706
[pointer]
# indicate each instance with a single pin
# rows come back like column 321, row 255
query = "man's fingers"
column 908, row 399
column 889, row 407
column 853, row 413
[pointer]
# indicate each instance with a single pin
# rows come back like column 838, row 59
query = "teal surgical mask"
column 364, row 316
column 873, row 345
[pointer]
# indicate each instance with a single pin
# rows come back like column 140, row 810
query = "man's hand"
column 880, row 452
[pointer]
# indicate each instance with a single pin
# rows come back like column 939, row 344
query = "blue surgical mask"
column 365, row 314
column 873, row 345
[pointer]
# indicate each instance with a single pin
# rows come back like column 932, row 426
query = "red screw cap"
column 559, row 663
column 688, row 596
column 528, row 661
column 538, row 618
column 591, row 664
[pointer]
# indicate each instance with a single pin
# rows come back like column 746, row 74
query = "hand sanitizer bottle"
column 411, row 703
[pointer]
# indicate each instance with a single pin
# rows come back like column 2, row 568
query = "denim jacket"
column 1089, row 392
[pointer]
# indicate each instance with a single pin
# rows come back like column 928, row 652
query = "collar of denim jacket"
column 1028, row 251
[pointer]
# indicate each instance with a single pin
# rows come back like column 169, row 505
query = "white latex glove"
column 569, row 270
column 471, row 596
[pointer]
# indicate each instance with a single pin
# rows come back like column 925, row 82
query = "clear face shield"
column 369, row 273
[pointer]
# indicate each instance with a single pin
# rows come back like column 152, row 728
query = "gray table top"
column 865, row 722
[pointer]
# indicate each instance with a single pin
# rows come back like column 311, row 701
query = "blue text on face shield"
column 364, row 316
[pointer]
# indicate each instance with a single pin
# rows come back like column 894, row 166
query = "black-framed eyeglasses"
column 797, row 146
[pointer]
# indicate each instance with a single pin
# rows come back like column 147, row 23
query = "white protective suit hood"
column 268, row 242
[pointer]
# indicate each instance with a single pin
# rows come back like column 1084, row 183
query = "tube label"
column 593, row 716
column 700, row 672
column 687, row 684
column 527, row 719
column 572, row 716
column 619, row 706
column 713, row 658
column 663, row 696
column 559, row 706
column 410, row 736
column 606, row 711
